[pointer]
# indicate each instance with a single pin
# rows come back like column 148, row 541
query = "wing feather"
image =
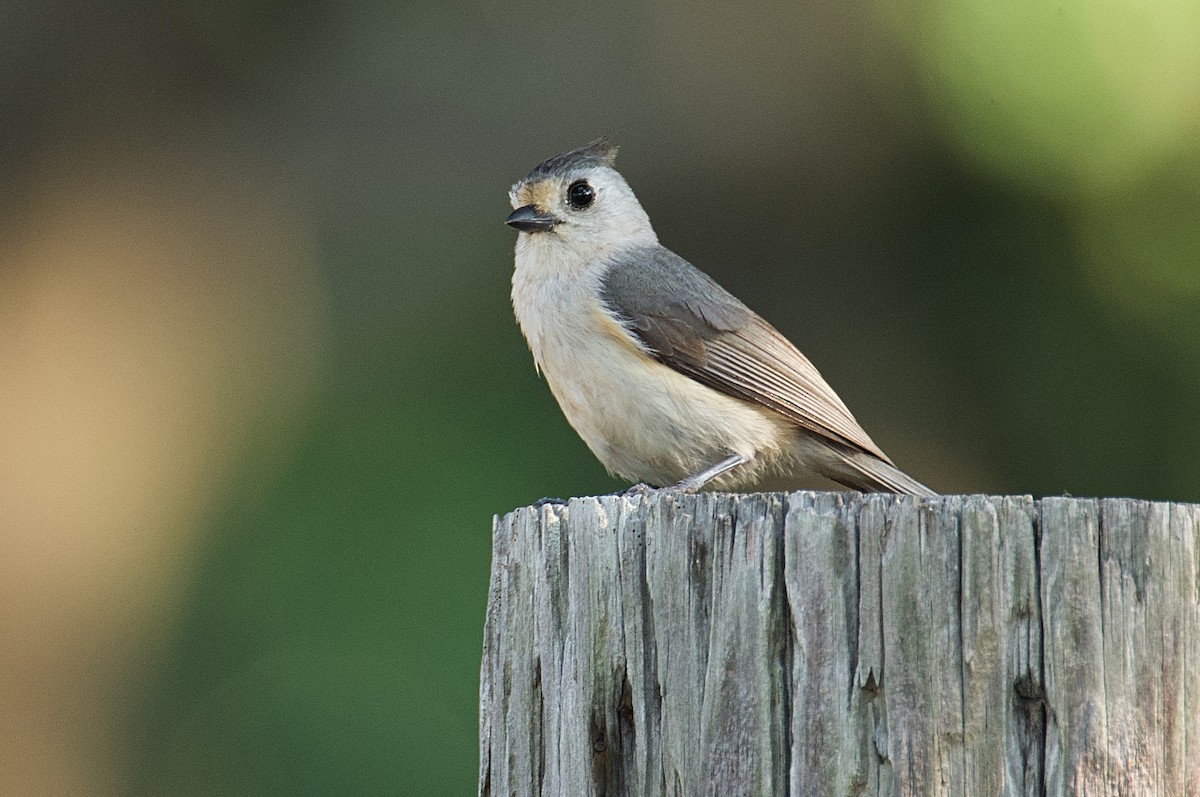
column 690, row 323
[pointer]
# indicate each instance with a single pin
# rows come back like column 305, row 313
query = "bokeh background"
column 260, row 387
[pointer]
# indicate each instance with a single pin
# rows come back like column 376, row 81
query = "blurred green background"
column 260, row 387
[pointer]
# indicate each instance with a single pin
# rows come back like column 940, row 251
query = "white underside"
column 643, row 420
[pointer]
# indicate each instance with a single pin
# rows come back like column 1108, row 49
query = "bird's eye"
column 580, row 194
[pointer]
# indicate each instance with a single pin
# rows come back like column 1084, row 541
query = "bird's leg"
column 697, row 480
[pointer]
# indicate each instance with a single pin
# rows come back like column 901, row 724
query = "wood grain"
column 841, row 644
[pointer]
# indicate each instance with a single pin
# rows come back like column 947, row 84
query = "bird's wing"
column 690, row 323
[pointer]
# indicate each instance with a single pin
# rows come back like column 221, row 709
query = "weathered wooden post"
column 837, row 644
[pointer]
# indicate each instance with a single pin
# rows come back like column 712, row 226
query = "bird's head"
column 579, row 199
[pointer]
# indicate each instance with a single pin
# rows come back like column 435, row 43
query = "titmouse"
column 668, row 378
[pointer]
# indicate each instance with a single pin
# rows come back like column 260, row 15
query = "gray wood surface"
column 838, row 644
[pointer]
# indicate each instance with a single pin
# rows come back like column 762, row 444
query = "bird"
column 670, row 380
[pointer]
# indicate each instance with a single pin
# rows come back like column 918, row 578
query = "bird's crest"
column 601, row 152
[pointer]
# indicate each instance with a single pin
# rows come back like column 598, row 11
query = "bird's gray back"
column 654, row 282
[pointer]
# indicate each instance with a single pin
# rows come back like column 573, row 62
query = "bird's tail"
column 859, row 470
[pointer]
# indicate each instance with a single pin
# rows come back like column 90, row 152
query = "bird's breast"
column 642, row 419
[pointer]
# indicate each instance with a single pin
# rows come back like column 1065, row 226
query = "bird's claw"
column 643, row 490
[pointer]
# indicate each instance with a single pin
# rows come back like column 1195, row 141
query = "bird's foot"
column 697, row 480
column 643, row 490
column 541, row 502
column 689, row 485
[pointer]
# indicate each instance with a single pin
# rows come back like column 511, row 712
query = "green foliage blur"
column 981, row 221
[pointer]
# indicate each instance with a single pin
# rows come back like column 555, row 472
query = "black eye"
column 580, row 194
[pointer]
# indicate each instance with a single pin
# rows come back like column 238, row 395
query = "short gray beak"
column 529, row 218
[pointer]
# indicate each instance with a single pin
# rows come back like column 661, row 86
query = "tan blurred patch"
column 153, row 315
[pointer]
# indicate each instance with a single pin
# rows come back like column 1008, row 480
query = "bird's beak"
column 530, row 218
